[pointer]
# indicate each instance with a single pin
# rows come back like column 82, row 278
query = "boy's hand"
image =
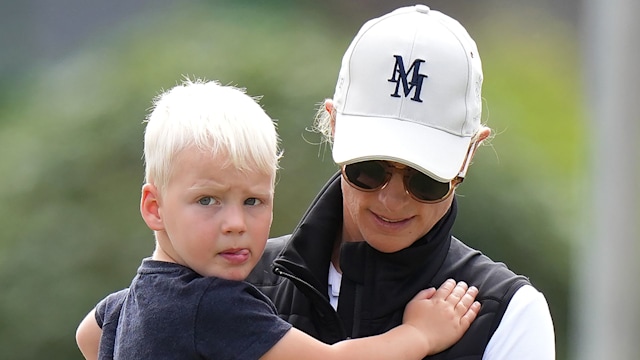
column 442, row 316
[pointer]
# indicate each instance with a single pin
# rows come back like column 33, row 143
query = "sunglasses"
column 375, row 175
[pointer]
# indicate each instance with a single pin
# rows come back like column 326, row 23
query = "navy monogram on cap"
column 399, row 77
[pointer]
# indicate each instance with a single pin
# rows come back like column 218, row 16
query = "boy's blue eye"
column 207, row 200
column 252, row 201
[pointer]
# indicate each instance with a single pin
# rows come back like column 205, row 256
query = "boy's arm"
column 88, row 336
column 433, row 321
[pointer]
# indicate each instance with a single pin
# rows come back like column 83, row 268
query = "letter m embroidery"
column 399, row 77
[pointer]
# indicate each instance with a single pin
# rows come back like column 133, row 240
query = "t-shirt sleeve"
column 107, row 316
column 236, row 321
column 110, row 306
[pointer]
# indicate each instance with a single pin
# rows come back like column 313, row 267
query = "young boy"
column 211, row 156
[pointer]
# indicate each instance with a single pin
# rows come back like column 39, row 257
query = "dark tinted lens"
column 426, row 188
column 366, row 175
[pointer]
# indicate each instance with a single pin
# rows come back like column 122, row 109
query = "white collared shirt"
column 335, row 280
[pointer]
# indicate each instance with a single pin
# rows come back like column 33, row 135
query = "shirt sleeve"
column 526, row 330
column 236, row 321
column 107, row 316
column 110, row 306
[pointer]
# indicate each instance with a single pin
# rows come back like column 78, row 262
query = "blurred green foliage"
column 71, row 139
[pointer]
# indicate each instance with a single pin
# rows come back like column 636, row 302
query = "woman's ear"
column 483, row 134
column 328, row 105
column 150, row 207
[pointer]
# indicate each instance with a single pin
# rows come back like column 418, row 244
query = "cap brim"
column 434, row 152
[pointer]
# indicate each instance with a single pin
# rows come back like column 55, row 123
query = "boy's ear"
column 150, row 207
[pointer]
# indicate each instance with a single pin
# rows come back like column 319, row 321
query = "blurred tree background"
column 72, row 106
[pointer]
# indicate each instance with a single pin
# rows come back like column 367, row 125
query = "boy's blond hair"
column 213, row 118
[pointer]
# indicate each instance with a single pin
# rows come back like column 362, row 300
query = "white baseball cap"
column 409, row 90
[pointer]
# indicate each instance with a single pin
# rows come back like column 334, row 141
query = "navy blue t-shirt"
column 171, row 312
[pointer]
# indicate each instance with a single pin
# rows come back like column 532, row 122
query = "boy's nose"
column 234, row 220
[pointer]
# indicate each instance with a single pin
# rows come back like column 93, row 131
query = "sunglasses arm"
column 467, row 160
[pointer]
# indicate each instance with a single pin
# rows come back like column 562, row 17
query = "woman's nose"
column 393, row 194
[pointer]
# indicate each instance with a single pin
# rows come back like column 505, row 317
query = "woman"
column 404, row 123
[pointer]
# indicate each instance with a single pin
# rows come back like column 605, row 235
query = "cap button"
column 422, row 8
